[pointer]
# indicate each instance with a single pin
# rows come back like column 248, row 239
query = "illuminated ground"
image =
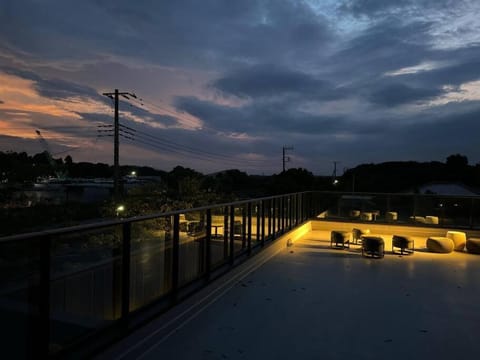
column 312, row 302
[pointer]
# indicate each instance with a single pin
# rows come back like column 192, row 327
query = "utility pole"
column 116, row 143
column 286, row 158
column 334, row 175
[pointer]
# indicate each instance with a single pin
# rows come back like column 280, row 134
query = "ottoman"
column 405, row 243
column 418, row 219
column 354, row 213
column 459, row 239
column 440, row 244
column 373, row 246
column 366, row 216
column 341, row 239
column 391, row 216
column 473, row 245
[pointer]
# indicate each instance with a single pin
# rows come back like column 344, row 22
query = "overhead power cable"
column 187, row 149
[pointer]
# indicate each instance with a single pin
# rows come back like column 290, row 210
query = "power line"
column 187, row 149
column 169, row 112
column 165, row 148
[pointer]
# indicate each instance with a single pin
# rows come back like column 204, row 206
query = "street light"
column 120, row 209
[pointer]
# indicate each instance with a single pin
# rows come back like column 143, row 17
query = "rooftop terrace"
column 247, row 280
column 310, row 301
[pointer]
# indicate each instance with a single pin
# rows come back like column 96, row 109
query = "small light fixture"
column 133, row 173
column 335, row 182
column 120, row 209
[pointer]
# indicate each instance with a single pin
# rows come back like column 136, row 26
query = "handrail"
column 176, row 267
column 107, row 223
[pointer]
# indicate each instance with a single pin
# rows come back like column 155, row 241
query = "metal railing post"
column 471, row 213
column 244, row 227
column 274, row 220
column 258, row 209
column 290, row 212
column 269, row 219
column 232, row 234
column 208, row 244
column 126, row 252
column 175, row 256
column 249, row 234
column 225, row 233
column 263, row 223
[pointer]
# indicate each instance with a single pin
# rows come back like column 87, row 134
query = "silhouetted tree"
column 457, row 161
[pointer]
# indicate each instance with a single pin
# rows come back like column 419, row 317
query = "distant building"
column 446, row 188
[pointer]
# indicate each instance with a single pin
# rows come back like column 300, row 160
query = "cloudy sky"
column 224, row 84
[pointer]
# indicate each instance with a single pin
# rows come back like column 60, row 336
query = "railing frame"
column 274, row 216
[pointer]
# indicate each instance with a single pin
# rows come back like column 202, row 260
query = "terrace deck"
column 308, row 301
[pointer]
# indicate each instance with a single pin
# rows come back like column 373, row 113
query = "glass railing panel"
column 454, row 211
column 192, row 247
column 475, row 213
column 401, row 209
column 256, row 222
column 219, row 244
column 429, row 210
column 85, row 286
column 240, row 228
column 269, row 219
column 329, row 206
column 150, row 260
column 375, row 208
column 19, row 273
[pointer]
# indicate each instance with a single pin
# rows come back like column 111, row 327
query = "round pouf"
column 366, row 216
column 473, row 245
column 373, row 246
column 431, row 220
column 405, row 243
column 439, row 244
column 459, row 239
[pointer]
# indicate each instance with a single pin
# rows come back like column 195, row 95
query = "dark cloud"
column 270, row 118
column 332, row 85
column 274, row 81
column 379, row 7
column 399, row 94
column 385, row 46
column 190, row 32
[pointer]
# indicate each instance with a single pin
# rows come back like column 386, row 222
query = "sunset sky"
column 226, row 84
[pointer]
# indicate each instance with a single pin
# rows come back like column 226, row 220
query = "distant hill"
column 407, row 175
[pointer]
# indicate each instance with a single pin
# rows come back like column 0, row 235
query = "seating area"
column 373, row 244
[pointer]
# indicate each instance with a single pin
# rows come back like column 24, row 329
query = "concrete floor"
column 312, row 302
